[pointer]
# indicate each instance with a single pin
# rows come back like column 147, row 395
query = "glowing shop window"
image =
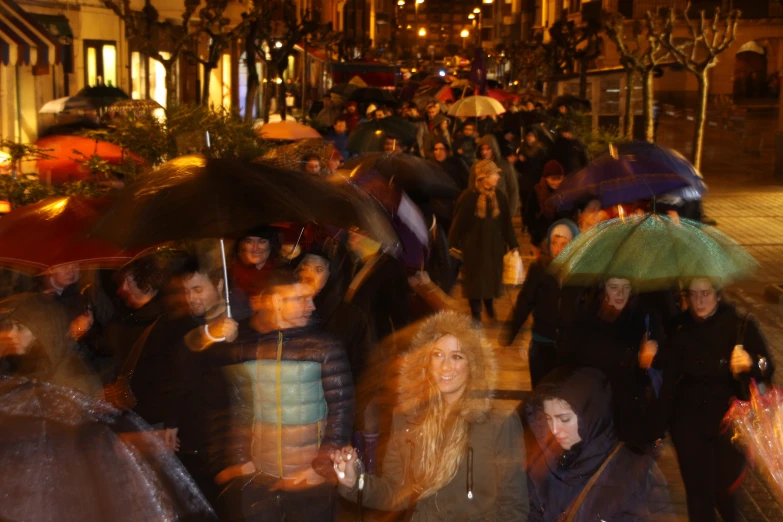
column 226, row 81
column 158, row 80
column 92, row 66
column 110, row 65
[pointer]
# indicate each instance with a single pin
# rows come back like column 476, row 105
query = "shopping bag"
column 513, row 269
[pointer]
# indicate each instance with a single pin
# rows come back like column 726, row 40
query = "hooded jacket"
column 509, row 184
column 495, row 488
column 51, row 357
column 553, row 306
column 631, row 487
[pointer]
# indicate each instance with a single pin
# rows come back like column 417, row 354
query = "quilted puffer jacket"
column 287, row 400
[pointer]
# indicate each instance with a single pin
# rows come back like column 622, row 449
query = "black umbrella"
column 101, row 96
column 194, row 197
column 374, row 95
column 369, row 136
column 408, row 172
column 573, row 102
column 343, row 89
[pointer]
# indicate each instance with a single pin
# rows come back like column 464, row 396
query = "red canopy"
column 65, row 167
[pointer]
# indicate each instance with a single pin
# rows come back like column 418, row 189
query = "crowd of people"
column 324, row 373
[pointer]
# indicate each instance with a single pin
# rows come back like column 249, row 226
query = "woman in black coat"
column 483, row 232
column 570, row 414
column 704, row 371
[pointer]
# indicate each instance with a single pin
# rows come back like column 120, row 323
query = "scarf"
column 485, row 195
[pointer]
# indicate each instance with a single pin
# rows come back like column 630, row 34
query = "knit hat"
column 484, row 169
column 553, row 169
column 487, row 198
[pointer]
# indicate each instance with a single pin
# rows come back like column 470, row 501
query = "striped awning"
column 23, row 40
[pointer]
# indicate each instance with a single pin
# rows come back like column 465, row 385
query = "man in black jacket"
column 283, row 399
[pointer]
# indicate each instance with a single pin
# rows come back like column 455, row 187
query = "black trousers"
column 542, row 360
column 711, row 468
column 256, row 501
column 475, row 308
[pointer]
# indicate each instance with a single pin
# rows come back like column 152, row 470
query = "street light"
column 476, row 10
column 422, row 32
column 464, row 34
column 471, row 16
column 400, row 3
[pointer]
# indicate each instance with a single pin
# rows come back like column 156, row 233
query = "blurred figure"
column 591, row 215
column 257, row 254
column 450, row 457
column 531, row 158
column 482, row 231
column 454, row 166
column 466, row 144
column 553, row 306
column 488, row 149
column 583, row 473
column 290, row 401
column 35, row 344
column 351, row 115
column 569, row 151
column 714, row 352
column 391, row 144
column 539, row 215
column 338, row 135
column 311, row 163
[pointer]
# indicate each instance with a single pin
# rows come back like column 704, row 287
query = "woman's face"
column 486, row 152
column 554, row 181
column 562, row 422
column 449, row 368
column 15, row 339
column 702, row 298
column 314, row 272
column 491, row 181
column 254, row 251
column 530, row 139
column 617, row 292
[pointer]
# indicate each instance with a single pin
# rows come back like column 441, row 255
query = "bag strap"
column 574, row 509
column 133, row 357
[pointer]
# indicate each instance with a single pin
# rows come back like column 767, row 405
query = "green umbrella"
column 653, row 251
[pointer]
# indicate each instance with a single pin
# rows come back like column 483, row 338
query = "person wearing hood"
column 714, row 352
column 488, row 149
column 455, row 167
column 581, row 472
column 532, row 155
column 482, row 231
column 553, row 306
column 450, row 456
column 539, row 215
column 438, row 131
column 35, row 343
column 569, row 150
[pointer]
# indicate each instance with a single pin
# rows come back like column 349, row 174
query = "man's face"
column 432, row 111
column 468, row 130
column 65, row 275
column 294, row 305
column 352, row 109
column 340, row 127
column 313, row 166
column 130, row 292
column 530, row 139
column 389, row 145
column 254, row 250
column 439, row 151
column 201, row 293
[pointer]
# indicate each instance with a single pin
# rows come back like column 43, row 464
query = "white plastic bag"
column 513, row 269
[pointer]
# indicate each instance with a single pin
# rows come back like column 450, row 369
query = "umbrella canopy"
column 407, row 172
column 135, row 106
column 193, row 197
column 68, row 103
column 653, row 251
column 53, row 232
column 671, row 159
column 501, row 95
column 615, row 181
column 476, row 106
column 374, row 95
column 106, row 464
column 287, row 130
column 573, row 102
column 101, row 96
column 343, row 89
column 369, row 136
column 64, row 167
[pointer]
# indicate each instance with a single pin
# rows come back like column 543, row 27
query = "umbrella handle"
column 225, row 277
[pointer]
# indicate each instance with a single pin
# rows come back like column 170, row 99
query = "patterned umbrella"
column 653, row 251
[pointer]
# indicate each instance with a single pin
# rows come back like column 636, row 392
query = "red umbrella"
column 52, row 232
column 501, row 95
column 64, row 166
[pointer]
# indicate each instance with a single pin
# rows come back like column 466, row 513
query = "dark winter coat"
column 483, row 242
column 571, row 153
column 631, row 487
column 309, row 374
column 613, row 347
column 697, row 382
column 538, row 217
column 457, row 170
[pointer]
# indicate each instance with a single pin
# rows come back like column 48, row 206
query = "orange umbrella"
column 287, row 130
column 64, row 166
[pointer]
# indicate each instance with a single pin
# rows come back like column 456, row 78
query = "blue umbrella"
column 616, row 181
column 671, row 159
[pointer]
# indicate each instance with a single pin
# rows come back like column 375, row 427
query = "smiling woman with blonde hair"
column 450, row 456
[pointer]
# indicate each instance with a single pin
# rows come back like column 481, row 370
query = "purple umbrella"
column 616, row 181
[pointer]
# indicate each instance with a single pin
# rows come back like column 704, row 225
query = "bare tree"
column 698, row 53
column 216, row 27
column 154, row 37
column 528, row 61
column 573, row 44
column 638, row 56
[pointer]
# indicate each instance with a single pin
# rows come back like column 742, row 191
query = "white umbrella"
column 67, row 103
column 476, row 106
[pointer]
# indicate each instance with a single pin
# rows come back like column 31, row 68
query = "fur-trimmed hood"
column 413, row 380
